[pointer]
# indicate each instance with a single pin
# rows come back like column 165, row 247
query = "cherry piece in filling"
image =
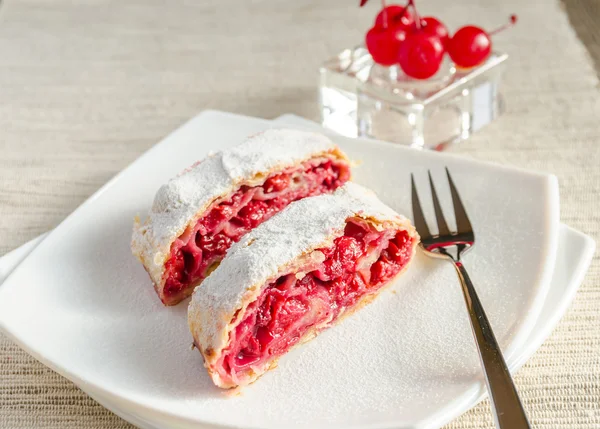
column 358, row 263
column 198, row 251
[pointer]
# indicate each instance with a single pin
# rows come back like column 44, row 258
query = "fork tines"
column 463, row 224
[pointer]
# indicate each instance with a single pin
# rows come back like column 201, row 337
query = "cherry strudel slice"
column 292, row 277
column 197, row 215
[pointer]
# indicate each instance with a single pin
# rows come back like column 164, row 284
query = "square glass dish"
column 361, row 99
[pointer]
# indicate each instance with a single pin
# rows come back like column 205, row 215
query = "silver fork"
column 451, row 245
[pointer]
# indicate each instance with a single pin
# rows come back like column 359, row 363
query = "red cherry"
column 394, row 16
column 432, row 25
column 277, row 183
column 470, row 46
column 421, row 55
column 383, row 45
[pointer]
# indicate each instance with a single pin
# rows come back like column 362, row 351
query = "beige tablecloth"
column 85, row 87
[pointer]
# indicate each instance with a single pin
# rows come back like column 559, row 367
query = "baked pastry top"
column 199, row 213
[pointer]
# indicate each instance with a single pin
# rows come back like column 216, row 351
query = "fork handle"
column 506, row 405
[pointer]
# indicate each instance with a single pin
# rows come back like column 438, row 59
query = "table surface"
column 86, row 87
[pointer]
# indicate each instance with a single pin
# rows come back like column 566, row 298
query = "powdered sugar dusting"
column 264, row 253
column 184, row 198
column 276, row 147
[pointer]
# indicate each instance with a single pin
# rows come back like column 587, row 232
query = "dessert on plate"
column 295, row 275
column 198, row 214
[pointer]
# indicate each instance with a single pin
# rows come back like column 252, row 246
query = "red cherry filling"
column 199, row 249
column 359, row 263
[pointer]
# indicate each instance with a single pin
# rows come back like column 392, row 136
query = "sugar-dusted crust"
column 185, row 198
column 275, row 248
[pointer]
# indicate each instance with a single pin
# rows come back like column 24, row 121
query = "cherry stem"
column 410, row 3
column 512, row 21
column 385, row 14
column 417, row 17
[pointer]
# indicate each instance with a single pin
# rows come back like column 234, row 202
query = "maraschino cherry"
column 432, row 25
column 394, row 15
column 399, row 37
column 418, row 44
column 471, row 45
column 420, row 56
column 383, row 44
column 384, row 39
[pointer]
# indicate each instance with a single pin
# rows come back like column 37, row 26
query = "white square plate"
column 575, row 252
column 82, row 305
